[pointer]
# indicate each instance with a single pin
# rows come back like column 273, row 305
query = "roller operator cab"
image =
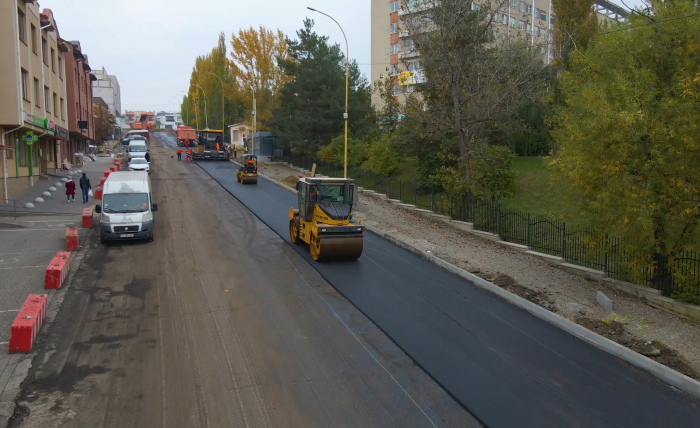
column 127, row 207
column 323, row 219
column 248, row 173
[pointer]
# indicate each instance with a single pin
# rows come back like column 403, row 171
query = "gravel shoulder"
column 665, row 337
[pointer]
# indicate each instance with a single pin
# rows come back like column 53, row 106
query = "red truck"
column 185, row 133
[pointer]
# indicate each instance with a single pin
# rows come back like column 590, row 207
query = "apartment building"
column 33, row 90
column 106, row 86
column 394, row 55
column 168, row 120
column 81, row 125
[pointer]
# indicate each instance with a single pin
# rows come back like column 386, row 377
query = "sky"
column 151, row 45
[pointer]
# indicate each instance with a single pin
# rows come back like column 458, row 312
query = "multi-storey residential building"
column 107, row 87
column 394, row 54
column 168, row 120
column 80, row 116
column 33, row 94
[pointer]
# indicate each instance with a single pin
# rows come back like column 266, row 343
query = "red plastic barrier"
column 98, row 192
column 116, row 161
column 113, row 168
column 27, row 323
column 118, row 165
column 102, row 181
column 72, row 239
column 109, row 171
column 87, row 218
column 57, row 270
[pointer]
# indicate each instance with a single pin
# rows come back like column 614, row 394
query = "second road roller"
column 248, row 173
column 323, row 219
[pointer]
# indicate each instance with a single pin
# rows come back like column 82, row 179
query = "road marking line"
column 358, row 340
column 10, row 310
column 4, row 343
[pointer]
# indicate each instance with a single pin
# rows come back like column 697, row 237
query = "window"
column 529, row 9
column 37, row 93
column 393, row 70
column 395, row 90
column 543, row 15
column 523, row 7
column 521, row 25
column 513, row 3
column 504, row 19
column 44, row 51
column 551, row 19
column 25, row 85
column 21, row 150
column 63, row 113
column 22, row 21
column 77, row 110
column 409, row 89
column 408, row 45
column 235, row 135
column 394, row 28
column 76, row 75
column 53, row 60
column 529, row 29
column 55, row 104
column 475, row 7
column 34, row 47
column 537, row 13
column 60, row 66
column 543, row 33
column 47, row 100
column 512, row 22
column 394, row 6
column 394, row 48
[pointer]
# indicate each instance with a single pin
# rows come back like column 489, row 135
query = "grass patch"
column 534, row 190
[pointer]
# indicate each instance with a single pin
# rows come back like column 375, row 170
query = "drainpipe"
column 4, row 162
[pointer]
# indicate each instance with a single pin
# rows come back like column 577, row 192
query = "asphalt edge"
column 668, row 375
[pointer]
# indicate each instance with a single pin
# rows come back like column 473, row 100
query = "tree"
column 209, row 72
column 104, row 122
column 254, row 55
column 627, row 134
column 476, row 84
column 576, row 23
column 311, row 105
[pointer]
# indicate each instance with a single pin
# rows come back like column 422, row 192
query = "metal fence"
column 679, row 277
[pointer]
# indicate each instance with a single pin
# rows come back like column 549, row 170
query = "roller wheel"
column 294, row 231
column 315, row 248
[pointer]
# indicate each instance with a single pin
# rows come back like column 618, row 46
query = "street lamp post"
column 255, row 121
column 345, row 115
column 223, row 125
column 206, row 121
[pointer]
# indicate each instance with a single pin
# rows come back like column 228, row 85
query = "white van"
column 137, row 149
column 127, row 207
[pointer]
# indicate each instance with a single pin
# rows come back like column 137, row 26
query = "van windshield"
column 125, row 203
column 139, row 149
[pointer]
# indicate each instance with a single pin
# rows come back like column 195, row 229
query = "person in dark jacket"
column 148, row 157
column 85, row 187
column 70, row 190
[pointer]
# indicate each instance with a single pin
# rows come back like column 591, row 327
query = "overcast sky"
column 151, row 45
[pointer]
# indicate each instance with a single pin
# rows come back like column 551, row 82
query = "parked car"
column 140, row 164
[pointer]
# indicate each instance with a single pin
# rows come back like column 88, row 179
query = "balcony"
column 414, row 6
column 414, row 53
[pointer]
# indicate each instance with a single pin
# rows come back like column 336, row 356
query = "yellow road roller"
column 248, row 173
column 323, row 219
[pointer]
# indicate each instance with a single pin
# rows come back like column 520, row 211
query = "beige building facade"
column 33, row 94
column 395, row 57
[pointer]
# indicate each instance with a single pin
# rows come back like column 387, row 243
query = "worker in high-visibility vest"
column 245, row 149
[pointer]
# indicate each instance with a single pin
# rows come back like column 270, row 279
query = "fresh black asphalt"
column 502, row 364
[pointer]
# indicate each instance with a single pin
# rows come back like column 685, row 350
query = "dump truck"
column 323, row 219
column 248, row 172
column 210, row 145
column 185, row 133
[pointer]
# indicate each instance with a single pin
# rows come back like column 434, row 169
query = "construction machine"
column 248, row 173
column 323, row 219
column 210, row 145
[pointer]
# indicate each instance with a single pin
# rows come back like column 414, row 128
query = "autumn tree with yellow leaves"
column 628, row 132
column 253, row 59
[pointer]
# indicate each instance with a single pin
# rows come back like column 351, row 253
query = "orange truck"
column 146, row 120
column 185, row 133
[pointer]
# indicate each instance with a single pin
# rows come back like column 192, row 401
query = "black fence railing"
column 679, row 277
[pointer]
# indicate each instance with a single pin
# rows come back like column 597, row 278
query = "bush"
column 382, row 157
column 492, row 174
column 428, row 171
column 335, row 151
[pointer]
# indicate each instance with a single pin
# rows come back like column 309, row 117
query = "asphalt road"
column 218, row 323
column 505, row 366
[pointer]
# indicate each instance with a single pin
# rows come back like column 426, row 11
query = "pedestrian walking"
column 85, row 187
column 70, row 190
column 148, row 157
column 234, row 151
column 179, row 154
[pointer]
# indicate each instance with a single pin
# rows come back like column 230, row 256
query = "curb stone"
column 682, row 382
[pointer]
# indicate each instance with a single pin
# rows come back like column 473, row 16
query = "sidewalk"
column 57, row 203
column 25, row 251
